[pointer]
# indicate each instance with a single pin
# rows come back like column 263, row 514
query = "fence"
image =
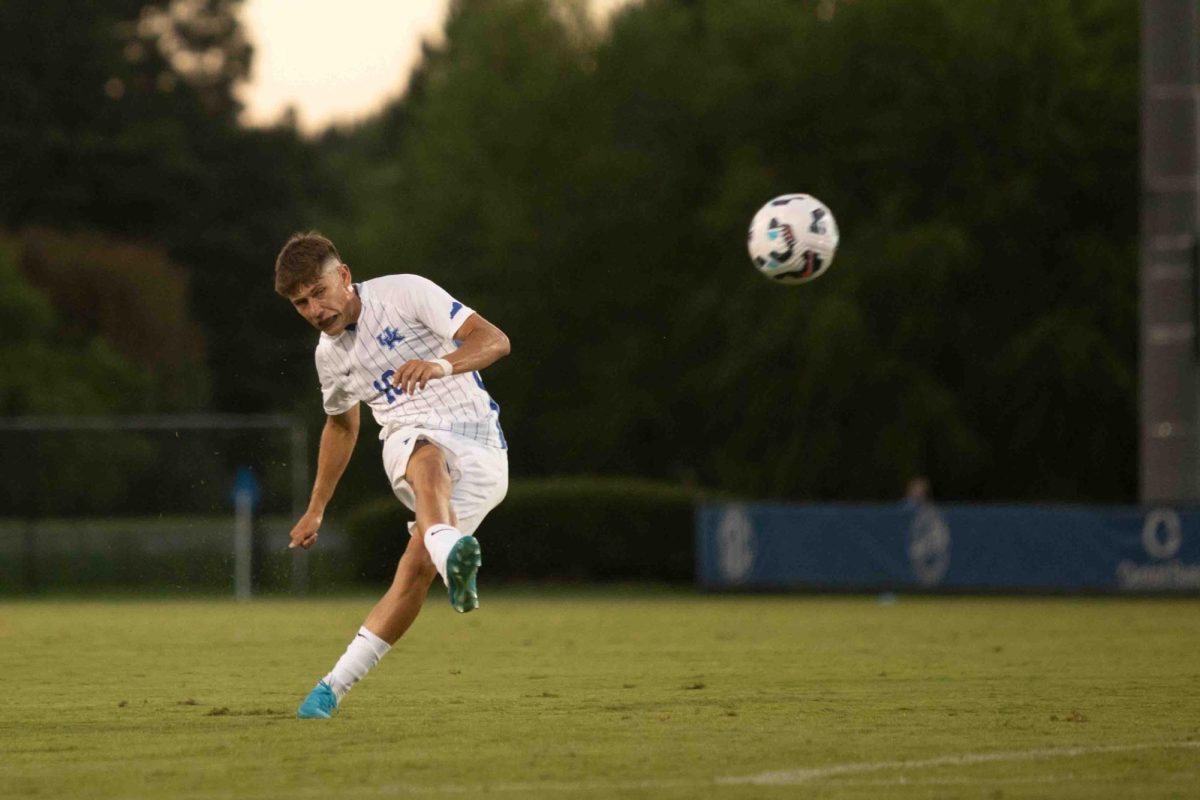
column 184, row 554
column 148, row 499
column 585, row 532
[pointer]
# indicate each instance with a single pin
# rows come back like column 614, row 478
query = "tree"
column 130, row 297
column 121, row 117
column 51, row 368
column 591, row 195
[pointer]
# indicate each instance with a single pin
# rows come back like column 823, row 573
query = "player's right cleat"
column 321, row 703
column 461, row 566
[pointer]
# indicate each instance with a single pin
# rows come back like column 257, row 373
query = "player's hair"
column 301, row 261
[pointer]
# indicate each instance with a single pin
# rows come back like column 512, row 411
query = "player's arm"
column 337, row 444
column 483, row 344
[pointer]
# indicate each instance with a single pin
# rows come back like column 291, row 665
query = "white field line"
column 791, row 777
column 1189, row 778
column 779, row 778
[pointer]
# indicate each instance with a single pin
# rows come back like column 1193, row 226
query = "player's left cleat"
column 461, row 566
column 321, row 703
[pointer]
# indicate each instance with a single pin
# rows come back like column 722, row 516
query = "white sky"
column 336, row 62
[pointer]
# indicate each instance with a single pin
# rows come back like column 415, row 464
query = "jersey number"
column 385, row 388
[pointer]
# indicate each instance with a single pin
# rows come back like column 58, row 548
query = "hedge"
column 573, row 529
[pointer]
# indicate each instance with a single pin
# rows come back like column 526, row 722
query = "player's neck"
column 354, row 307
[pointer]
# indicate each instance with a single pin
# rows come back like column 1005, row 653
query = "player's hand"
column 305, row 533
column 414, row 375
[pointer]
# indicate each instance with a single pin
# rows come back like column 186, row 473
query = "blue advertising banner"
column 928, row 547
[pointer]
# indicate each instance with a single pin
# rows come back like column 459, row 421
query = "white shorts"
column 478, row 473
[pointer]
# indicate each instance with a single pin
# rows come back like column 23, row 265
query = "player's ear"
column 344, row 275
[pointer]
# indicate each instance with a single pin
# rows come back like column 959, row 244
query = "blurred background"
column 583, row 175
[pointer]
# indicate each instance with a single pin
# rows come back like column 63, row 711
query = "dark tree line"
column 591, row 191
column 118, row 120
column 588, row 188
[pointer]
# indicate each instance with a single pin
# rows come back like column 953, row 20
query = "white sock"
column 439, row 540
column 363, row 653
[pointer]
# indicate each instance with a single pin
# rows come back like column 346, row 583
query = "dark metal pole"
column 1169, row 285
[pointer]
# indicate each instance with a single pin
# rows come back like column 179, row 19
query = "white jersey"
column 405, row 317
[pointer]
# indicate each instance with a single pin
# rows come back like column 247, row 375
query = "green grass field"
column 597, row 694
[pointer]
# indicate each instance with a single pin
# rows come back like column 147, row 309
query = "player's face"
column 330, row 304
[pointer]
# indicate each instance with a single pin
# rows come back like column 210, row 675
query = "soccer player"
column 411, row 352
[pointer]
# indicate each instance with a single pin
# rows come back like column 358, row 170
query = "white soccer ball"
column 793, row 238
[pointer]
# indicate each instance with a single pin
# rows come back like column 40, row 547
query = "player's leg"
column 481, row 481
column 429, row 481
column 398, row 608
column 427, row 477
column 387, row 622
column 455, row 555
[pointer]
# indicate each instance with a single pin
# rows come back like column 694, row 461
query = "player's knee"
column 430, row 482
column 427, row 470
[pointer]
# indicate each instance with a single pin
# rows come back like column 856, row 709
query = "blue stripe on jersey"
column 494, row 406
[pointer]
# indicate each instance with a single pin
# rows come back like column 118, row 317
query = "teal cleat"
column 461, row 566
column 321, row 703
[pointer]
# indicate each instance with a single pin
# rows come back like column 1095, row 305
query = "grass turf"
column 603, row 694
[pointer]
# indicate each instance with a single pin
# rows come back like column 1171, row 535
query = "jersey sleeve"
column 335, row 392
column 429, row 304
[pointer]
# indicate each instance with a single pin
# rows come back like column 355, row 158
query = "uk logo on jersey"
column 389, row 338
column 455, row 307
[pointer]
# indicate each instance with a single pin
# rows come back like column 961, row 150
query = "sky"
column 336, row 66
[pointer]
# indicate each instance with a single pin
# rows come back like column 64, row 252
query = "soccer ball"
column 793, row 238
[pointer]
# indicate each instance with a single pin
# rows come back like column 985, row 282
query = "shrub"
column 607, row 529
